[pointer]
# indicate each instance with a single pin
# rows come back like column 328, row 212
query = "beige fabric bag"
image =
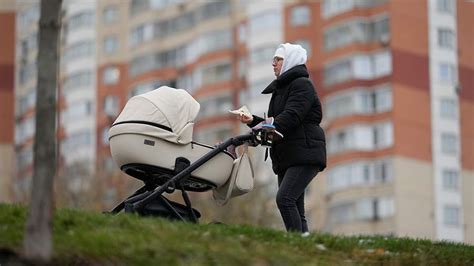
column 240, row 181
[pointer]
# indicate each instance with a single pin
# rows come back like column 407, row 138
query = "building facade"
column 395, row 79
column 395, row 115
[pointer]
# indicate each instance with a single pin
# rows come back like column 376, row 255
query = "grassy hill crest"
column 85, row 237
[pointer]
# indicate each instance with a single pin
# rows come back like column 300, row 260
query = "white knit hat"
column 293, row 54
column 280, row 52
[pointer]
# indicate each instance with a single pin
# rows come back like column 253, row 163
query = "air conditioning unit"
column 458, row 88
column 384, row 39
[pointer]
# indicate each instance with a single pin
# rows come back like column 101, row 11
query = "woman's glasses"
column 276, row 59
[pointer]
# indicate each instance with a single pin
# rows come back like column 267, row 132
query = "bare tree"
column 76, row 185
column 38, row 234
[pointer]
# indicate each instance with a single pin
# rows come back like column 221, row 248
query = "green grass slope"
column 84, row 237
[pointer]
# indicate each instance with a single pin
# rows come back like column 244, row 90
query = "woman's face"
column 277, row 63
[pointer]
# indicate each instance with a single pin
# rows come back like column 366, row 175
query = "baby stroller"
column 151, row 140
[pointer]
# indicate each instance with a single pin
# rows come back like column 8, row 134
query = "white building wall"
column 87, row 122
column 438, row 91
column 259, row 35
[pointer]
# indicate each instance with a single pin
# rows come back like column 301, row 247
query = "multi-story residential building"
column 7, row 111
column 262, row 33
column 395, row 80
column 185, row 44
column 78, row 95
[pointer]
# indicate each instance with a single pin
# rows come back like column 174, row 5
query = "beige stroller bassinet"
column 151, row 140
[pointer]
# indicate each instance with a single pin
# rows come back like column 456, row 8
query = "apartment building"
column 7, row 94
column 143, row 45
column 393, row 77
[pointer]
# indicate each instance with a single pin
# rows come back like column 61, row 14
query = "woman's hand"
column 245, row 119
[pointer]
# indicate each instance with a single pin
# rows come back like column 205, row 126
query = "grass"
column 84, row 237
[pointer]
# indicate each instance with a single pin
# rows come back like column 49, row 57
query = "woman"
column 296, row 112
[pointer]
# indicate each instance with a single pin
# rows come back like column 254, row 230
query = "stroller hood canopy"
column 173, row 108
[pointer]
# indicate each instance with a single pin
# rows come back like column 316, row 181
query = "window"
column 449, row 143
column 79, row 50
column 78, row 79
column 338, row 72
column 137, row 6
column 111, row 107
column 80, row 20
column 357, row 31
column 363, row 209
column 383, row 99
column 451, row 216
column 383, row 135
column 214, row 9
column 219, row 104
column 77, row 139
column 359, row 173
column 445, row 6
column 141, row 64
column 110, row 14
column 361, row 138
column 111, row 75
column 111, row 44
column 262, row 55
column 334, row 7
column 146, row 87
column 78, row 110
column 448, row 108
column 450, row 179
column 447, row 73
column 385, row 207
column 140, row 34
column 214, row 135
column 383, row 172
column 368, row 66
column 362, row 67
column 382, row 64
column 265, row 21
column 217, row 73
column 446, row 38
column 300, row 16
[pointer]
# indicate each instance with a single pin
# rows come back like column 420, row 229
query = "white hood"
column 166, row 106
column 292, row 54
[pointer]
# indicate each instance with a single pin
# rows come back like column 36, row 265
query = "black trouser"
column 290, row 197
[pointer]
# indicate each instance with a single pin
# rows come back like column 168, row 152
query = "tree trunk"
column 37, row 243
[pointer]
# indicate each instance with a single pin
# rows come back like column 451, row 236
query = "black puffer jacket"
column 296, row 108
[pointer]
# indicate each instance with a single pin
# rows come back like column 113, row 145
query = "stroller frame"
column 137, row 202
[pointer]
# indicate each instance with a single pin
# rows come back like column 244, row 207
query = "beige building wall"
column 6, row 172
column 315, row 203
column 414, row 199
